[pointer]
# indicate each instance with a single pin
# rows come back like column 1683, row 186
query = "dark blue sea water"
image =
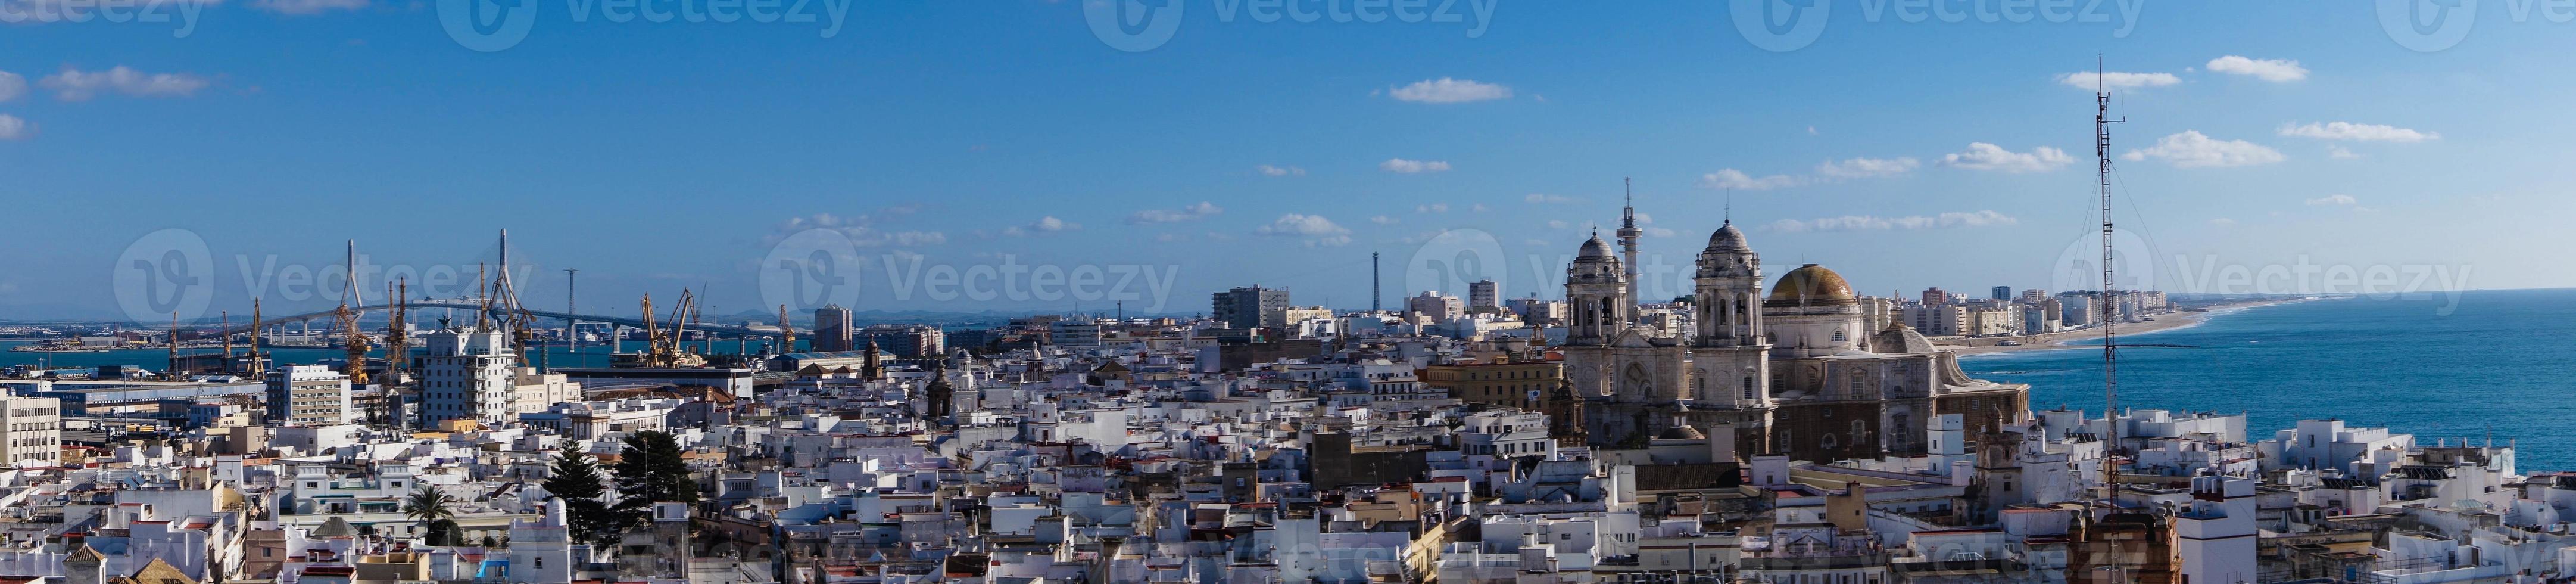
column 2501, row 363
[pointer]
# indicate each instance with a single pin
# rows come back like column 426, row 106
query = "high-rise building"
column 2034, row 295
column 1250, row 307
column 1433, row 306
column 308, row 395
column 2003, row 293
column 909, row 341
column 34, row 427
column 466, row 374
column 1483, row 294
column 832, row 329
column 1935, row 297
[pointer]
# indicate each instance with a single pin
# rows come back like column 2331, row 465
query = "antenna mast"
column 1628, row 234
column 2110, row 351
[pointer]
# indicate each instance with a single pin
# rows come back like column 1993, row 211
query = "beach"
column 2059, row 340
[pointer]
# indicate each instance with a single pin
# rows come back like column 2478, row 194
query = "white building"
column 308, row 395
column 35, row 429
column 466, row 374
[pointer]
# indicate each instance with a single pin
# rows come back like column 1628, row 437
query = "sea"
column 2478, row 366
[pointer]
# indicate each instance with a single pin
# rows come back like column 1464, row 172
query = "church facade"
column 1794, row 371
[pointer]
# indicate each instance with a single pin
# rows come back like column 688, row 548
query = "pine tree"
column 650, row 471
column 577, row 483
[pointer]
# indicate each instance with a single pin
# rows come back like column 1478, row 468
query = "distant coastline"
column 2163, row 322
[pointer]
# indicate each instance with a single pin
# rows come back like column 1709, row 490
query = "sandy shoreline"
column 2162, row 322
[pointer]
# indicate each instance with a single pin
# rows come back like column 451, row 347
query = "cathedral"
column 1795, row 371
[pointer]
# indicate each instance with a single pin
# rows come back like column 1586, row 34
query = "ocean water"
column 2499, row 364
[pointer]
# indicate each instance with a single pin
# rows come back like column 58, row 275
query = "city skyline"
column 1221, row 161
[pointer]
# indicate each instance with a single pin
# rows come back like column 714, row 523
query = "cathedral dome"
column 1812, row 285
column 1681, row 432
column 1728, row 237
column 1594, row 248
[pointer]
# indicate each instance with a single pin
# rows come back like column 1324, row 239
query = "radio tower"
column 2110, row 352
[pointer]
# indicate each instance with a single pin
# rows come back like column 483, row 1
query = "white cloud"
column 2273, row 70
column 12, row 86
column 1478, row 208
column 1431, row 208
column 1382, row 220
column 1658, row 232
column 1984, row 156
column 1732, row 179
column 1868, row 167
column 12, row 128
column 2118, row 80
column 1044, row 225
column 1872, row 222
column 304, row 7
column 2339, row 153
column 1300, row 224
column 2191, row 149
column 1447, row 90
column 1547, row 198
column 2333, row 201
column 1558, row 224
column 2223, row 222
column 1202, row 210
column 1412, row 166
column 861, row 229
column 1268, row 170
column 76, row 85
column 2357, row 132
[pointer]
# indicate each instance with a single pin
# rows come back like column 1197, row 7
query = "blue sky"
column 657, row 156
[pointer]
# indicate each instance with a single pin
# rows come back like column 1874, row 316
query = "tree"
column 576, row 482
column 435, row 509
column 650, row 471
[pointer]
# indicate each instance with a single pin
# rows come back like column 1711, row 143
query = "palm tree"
column 436, row 513
column 428, row 504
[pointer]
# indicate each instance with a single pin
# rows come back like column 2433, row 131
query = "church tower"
column 1596, row 295
column 1730, row 350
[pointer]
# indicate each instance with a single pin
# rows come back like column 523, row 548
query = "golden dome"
column 1812, row 285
